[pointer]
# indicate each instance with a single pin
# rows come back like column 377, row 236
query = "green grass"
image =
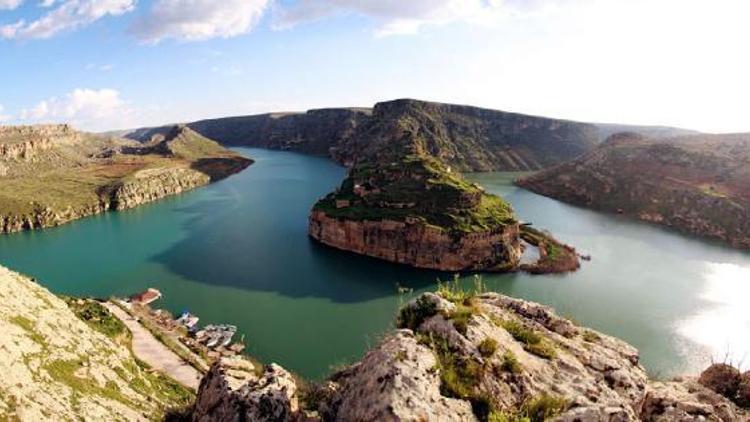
column 533, row 342
column 590, row 336
column 421, row 188
column 97, row 317
column 487, row 347
column 412, row 316
column 541, row 408
column 510, row 363
column 29, row 326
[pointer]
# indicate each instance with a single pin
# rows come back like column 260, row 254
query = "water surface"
column 237, row 252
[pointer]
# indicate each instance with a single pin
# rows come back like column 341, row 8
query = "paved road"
column 150, row 350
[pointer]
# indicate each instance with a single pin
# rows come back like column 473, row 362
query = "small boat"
column 188, row 320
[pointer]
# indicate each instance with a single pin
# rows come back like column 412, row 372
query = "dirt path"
column 150, row 350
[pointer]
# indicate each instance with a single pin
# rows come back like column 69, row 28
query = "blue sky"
column 111, row 64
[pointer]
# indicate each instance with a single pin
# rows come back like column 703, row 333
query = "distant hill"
column 697, row 184
column 655, row 132
column 468, row 138
column 50, row 175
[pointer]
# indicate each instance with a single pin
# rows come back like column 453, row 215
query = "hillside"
column 473, row 356
column 465, row 137
column 55, row 366
column 697, row 184
column 401, row 202
column 50, row 175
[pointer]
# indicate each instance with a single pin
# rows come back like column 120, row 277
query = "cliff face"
column 57, row 367
column 468, row 138
column 50, row 175
column 420, row 245
column 697, row 184
column 472, row 356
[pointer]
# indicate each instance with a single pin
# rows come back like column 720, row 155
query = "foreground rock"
column 473, row 357
column 55, row 366
column 697, row 184
column 50, row 175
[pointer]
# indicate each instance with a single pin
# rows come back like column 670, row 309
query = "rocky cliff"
column 468, row 138
column 50, row 175
column 56, row 366
column 696, row 184
column 465, row 357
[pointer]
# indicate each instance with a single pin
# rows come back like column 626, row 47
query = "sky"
column 115, row 64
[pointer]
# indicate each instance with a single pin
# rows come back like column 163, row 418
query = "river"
column 237, row 252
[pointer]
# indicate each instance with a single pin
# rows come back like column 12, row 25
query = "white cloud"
column 194, row 20
column 9, row 4
column 85, row 108
column 69, row 15
column 396, row 16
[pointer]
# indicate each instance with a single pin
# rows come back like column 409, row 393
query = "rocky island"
column 696, row 184
column 50, row 175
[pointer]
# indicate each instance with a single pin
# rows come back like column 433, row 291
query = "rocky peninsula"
column 50, row 175
column 695, row 184
column 403, row 203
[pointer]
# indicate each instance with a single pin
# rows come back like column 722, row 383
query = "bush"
column 97, row 317
column 487, row 347
column 743, row 391
column 414, row 314
column 461, row 317
column 511, row 363
column 722, row 378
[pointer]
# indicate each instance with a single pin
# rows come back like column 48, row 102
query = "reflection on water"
column 723, row 326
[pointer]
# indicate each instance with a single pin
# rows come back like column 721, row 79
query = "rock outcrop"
column 696, row 184
column 55, row 366
column 419, row 245
column 50, row 175
column 465, row 357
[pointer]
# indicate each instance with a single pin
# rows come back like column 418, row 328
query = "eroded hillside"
column 697, row 184
column 50, row 175
column 55, row 366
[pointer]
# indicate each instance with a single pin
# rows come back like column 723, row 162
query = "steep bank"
column 470, row 356
column 50, row 175
column 696, row 184
column 56, row 366
column 467, row 138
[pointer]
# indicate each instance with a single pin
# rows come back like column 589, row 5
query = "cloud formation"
column 87, row 108
column 194, row 20
column 9, row 4
column 392, row 16
column 68, row 15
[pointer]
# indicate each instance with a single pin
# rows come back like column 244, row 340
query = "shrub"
column 458, row 376
column 454, row 292
column 591, row 336
column 722, row 378
column 461, row 317
column 511, row 363
column 414, row 314
column 487, row 347
column 743, row 391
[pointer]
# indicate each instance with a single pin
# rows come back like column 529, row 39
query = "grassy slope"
column 71, row 176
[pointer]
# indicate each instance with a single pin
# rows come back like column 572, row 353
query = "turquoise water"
column 237, row 252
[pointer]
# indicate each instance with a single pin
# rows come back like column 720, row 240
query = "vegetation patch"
column 487, row 347
column 28, row 326
column 532, row 341
column 97, row 317
column 541, row 408
column 413, row 315
column 511, row 363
